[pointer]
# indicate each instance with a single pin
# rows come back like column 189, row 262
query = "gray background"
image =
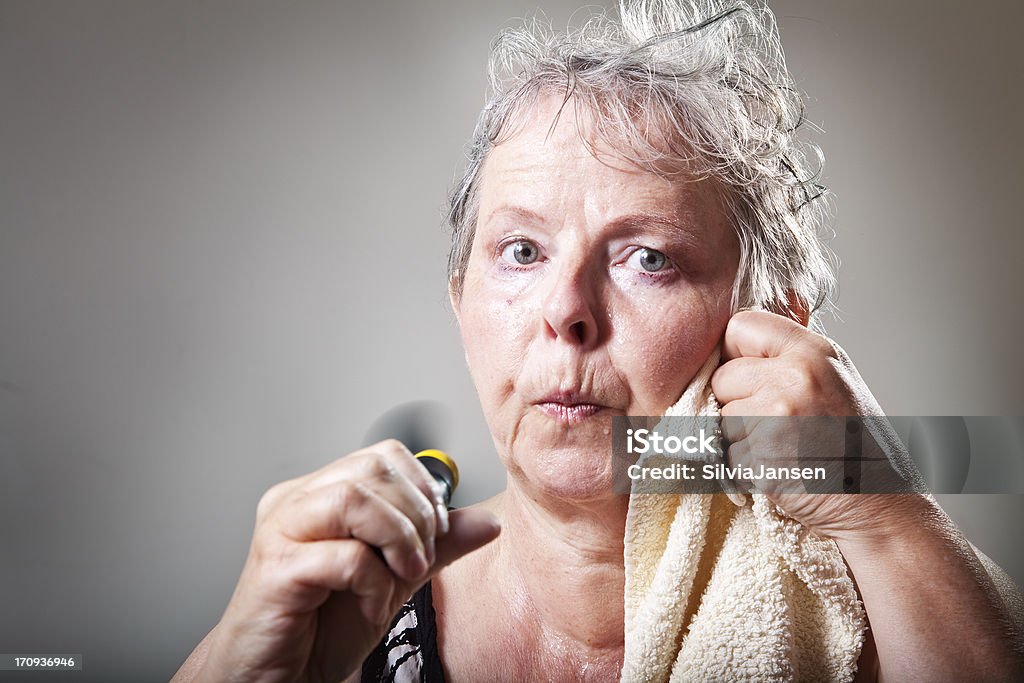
column 221, row 260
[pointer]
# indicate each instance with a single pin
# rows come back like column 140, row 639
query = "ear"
column 796, row 309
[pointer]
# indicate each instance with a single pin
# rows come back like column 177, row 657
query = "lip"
column 569, row 407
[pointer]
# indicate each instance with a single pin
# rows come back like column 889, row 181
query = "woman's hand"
column 334, row 555
column 776, row 368
column 935, row 612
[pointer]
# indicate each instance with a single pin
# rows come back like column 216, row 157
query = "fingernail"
column 442, row 519
column 430, row 552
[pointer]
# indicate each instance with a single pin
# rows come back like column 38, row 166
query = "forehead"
column 555, row 159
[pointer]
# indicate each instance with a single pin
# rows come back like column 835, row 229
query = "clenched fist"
column 333, row 556
column 774, row 367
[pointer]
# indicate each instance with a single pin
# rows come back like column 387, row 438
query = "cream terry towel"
column 716, row 592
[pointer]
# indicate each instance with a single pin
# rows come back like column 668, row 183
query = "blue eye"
column 522, row 252
column 650, row 260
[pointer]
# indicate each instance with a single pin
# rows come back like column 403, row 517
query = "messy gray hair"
column 695, row 87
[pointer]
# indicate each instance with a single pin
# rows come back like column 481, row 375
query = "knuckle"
column 426, row 508
column 270, row 498
column 380, row 468
column 272, row 557
column 782, row 406
column 394, row 446
column 426, row 513
column 797, row 336
column 745, row 316
column 283, row 556
column 803, row 377
column 407, row 532
column 820, row 345
column 740, row 321
column 348, row 495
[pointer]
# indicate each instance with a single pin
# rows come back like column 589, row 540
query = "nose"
column 570, row 304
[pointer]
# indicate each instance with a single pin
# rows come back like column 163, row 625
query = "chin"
column 575, row 467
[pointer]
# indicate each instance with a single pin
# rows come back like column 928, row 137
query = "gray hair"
column 697, row 88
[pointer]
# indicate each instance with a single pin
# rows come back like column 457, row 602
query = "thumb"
column 468, row 530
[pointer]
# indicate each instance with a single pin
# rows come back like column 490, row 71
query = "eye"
column 522, row 252
column 650, row 260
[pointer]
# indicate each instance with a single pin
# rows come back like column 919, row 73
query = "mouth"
column 569, row 407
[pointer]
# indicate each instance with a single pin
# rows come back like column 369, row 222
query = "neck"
column 561, row 564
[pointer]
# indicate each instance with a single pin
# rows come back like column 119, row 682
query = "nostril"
column 578, row 331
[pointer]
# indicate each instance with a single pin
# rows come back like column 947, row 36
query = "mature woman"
column 633, row 189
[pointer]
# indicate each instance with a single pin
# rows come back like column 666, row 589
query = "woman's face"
column 593, row 289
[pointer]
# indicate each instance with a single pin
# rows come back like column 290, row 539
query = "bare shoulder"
column 1008, row 590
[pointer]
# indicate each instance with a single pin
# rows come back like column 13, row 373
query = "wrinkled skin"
column 585, row 315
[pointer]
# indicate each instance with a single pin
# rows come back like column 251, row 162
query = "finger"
column 349, row 509
column 736, row 455
column 391, row 470
column 345, row 565
column 367, row 461
column 760, row 334
column 759, row 448
column 390, row 478
column 273, row 496
column 734, row 428
column 739, row 378
column 406, row 462
column 391, row 450
column 744, row 408
column 396, row 452
column 471, row 528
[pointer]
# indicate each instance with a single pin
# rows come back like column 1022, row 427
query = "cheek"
column 659, row 348
column 493, row 333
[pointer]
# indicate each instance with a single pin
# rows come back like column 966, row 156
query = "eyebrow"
column 668, row 227
column 518, row 212
column 631, row 223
